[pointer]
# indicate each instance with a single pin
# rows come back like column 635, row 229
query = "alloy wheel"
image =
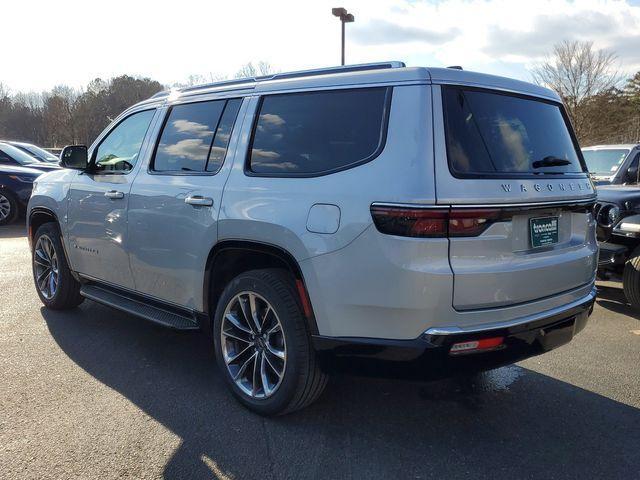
column 46, row 267
column 5, row 207
column 253, row 345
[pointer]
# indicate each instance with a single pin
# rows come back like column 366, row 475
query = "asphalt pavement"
column 95, row 393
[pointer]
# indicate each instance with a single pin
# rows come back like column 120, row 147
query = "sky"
column 47, row 43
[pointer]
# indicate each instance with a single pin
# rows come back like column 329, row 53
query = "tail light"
column 432, row 222
column 410, row 222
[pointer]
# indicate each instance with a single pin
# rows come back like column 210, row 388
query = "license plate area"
column 543, row 231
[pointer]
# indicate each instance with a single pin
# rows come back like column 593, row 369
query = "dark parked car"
column 613, row 164
column 16, row 184
column 10, row 155
column 35, row 151
column 617, row 212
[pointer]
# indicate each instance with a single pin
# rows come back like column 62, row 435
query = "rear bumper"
column 428, row 357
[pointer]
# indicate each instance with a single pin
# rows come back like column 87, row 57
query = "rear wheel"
column 263, row 345
column 631, row 279
column 8, row 207
column 56, row 286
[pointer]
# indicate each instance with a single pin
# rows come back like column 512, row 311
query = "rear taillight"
column 410, row 222
column 471, row 222
column 432, row 222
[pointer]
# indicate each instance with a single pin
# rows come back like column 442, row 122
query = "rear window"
column 492, row 134
column 314, row 133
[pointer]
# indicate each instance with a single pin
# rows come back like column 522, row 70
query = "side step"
column 157, row 314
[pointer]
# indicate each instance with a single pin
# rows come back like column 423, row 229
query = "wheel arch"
column 230, row 258
column 37, row 217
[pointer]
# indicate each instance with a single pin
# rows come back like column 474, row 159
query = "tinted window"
column 223, row 134
column 318, row 132
column 187, row 136
column 491, row 133
column 119, row 150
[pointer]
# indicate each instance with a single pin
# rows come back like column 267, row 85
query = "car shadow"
column 612, row 298
column 508, row 423
column 14, row 230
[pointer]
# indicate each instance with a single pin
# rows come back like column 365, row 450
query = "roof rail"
column 221, row 83
column 341, row 69
column 251, row 82
column 163, row 93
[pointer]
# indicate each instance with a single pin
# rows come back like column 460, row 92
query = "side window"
column 195, row 136
column 223, row 134
column 119, row 150
column 318, row 132
column 5, row 159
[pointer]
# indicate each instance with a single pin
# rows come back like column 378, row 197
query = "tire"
column 301, row 381
column 8, row 207
column 64, row 293
column 631, row 279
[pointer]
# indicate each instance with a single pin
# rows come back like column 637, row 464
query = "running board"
column 140, row 308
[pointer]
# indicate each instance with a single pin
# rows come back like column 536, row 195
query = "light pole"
column 345, row 17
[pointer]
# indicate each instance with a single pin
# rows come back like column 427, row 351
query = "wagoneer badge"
column 562, row 187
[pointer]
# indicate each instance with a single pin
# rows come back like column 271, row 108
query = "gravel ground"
column 95, row 393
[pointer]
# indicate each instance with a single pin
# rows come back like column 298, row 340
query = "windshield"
column 491, row 134
column 604, row 162
column 41, row 153
column 17, row 155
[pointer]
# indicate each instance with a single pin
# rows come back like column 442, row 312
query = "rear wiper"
column 550, row 161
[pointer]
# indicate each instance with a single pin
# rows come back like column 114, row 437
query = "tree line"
column 66, row 116
column 603, row 106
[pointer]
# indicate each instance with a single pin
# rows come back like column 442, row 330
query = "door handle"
column 199, row 201
column 114, row 194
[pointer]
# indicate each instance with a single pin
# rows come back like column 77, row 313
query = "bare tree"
column 250, row 70
column 578, row 72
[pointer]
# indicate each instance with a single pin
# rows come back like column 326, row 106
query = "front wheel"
column 56, row 286
column 631, row 279
column 263, row 345
column 8, row 207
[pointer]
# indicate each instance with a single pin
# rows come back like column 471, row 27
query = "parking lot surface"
column 95, row 393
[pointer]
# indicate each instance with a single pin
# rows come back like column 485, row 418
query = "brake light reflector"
column 476, row 346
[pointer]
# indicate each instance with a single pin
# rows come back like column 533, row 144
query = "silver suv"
column 373, row 219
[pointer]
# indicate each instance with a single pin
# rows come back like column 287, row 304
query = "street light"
column 345, row 17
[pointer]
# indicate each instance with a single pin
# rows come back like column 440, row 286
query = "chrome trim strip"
column 515, row 322
column 408, row 205
column 560, row 203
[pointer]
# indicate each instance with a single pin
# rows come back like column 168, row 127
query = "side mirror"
column 632, row 174
column 75, row 157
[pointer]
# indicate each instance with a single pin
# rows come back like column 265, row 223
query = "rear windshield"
column 492, row 134
column 604, row 162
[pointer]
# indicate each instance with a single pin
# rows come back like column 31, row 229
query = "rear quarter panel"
column 276, row 210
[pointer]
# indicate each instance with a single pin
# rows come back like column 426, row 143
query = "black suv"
column 617, row 213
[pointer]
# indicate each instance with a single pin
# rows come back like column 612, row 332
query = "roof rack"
column 252, row 81
column 342, row 69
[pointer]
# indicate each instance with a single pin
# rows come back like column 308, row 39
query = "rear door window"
column 313, row 133
column 195, row 136
column 187, row 136
column 495, row 134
